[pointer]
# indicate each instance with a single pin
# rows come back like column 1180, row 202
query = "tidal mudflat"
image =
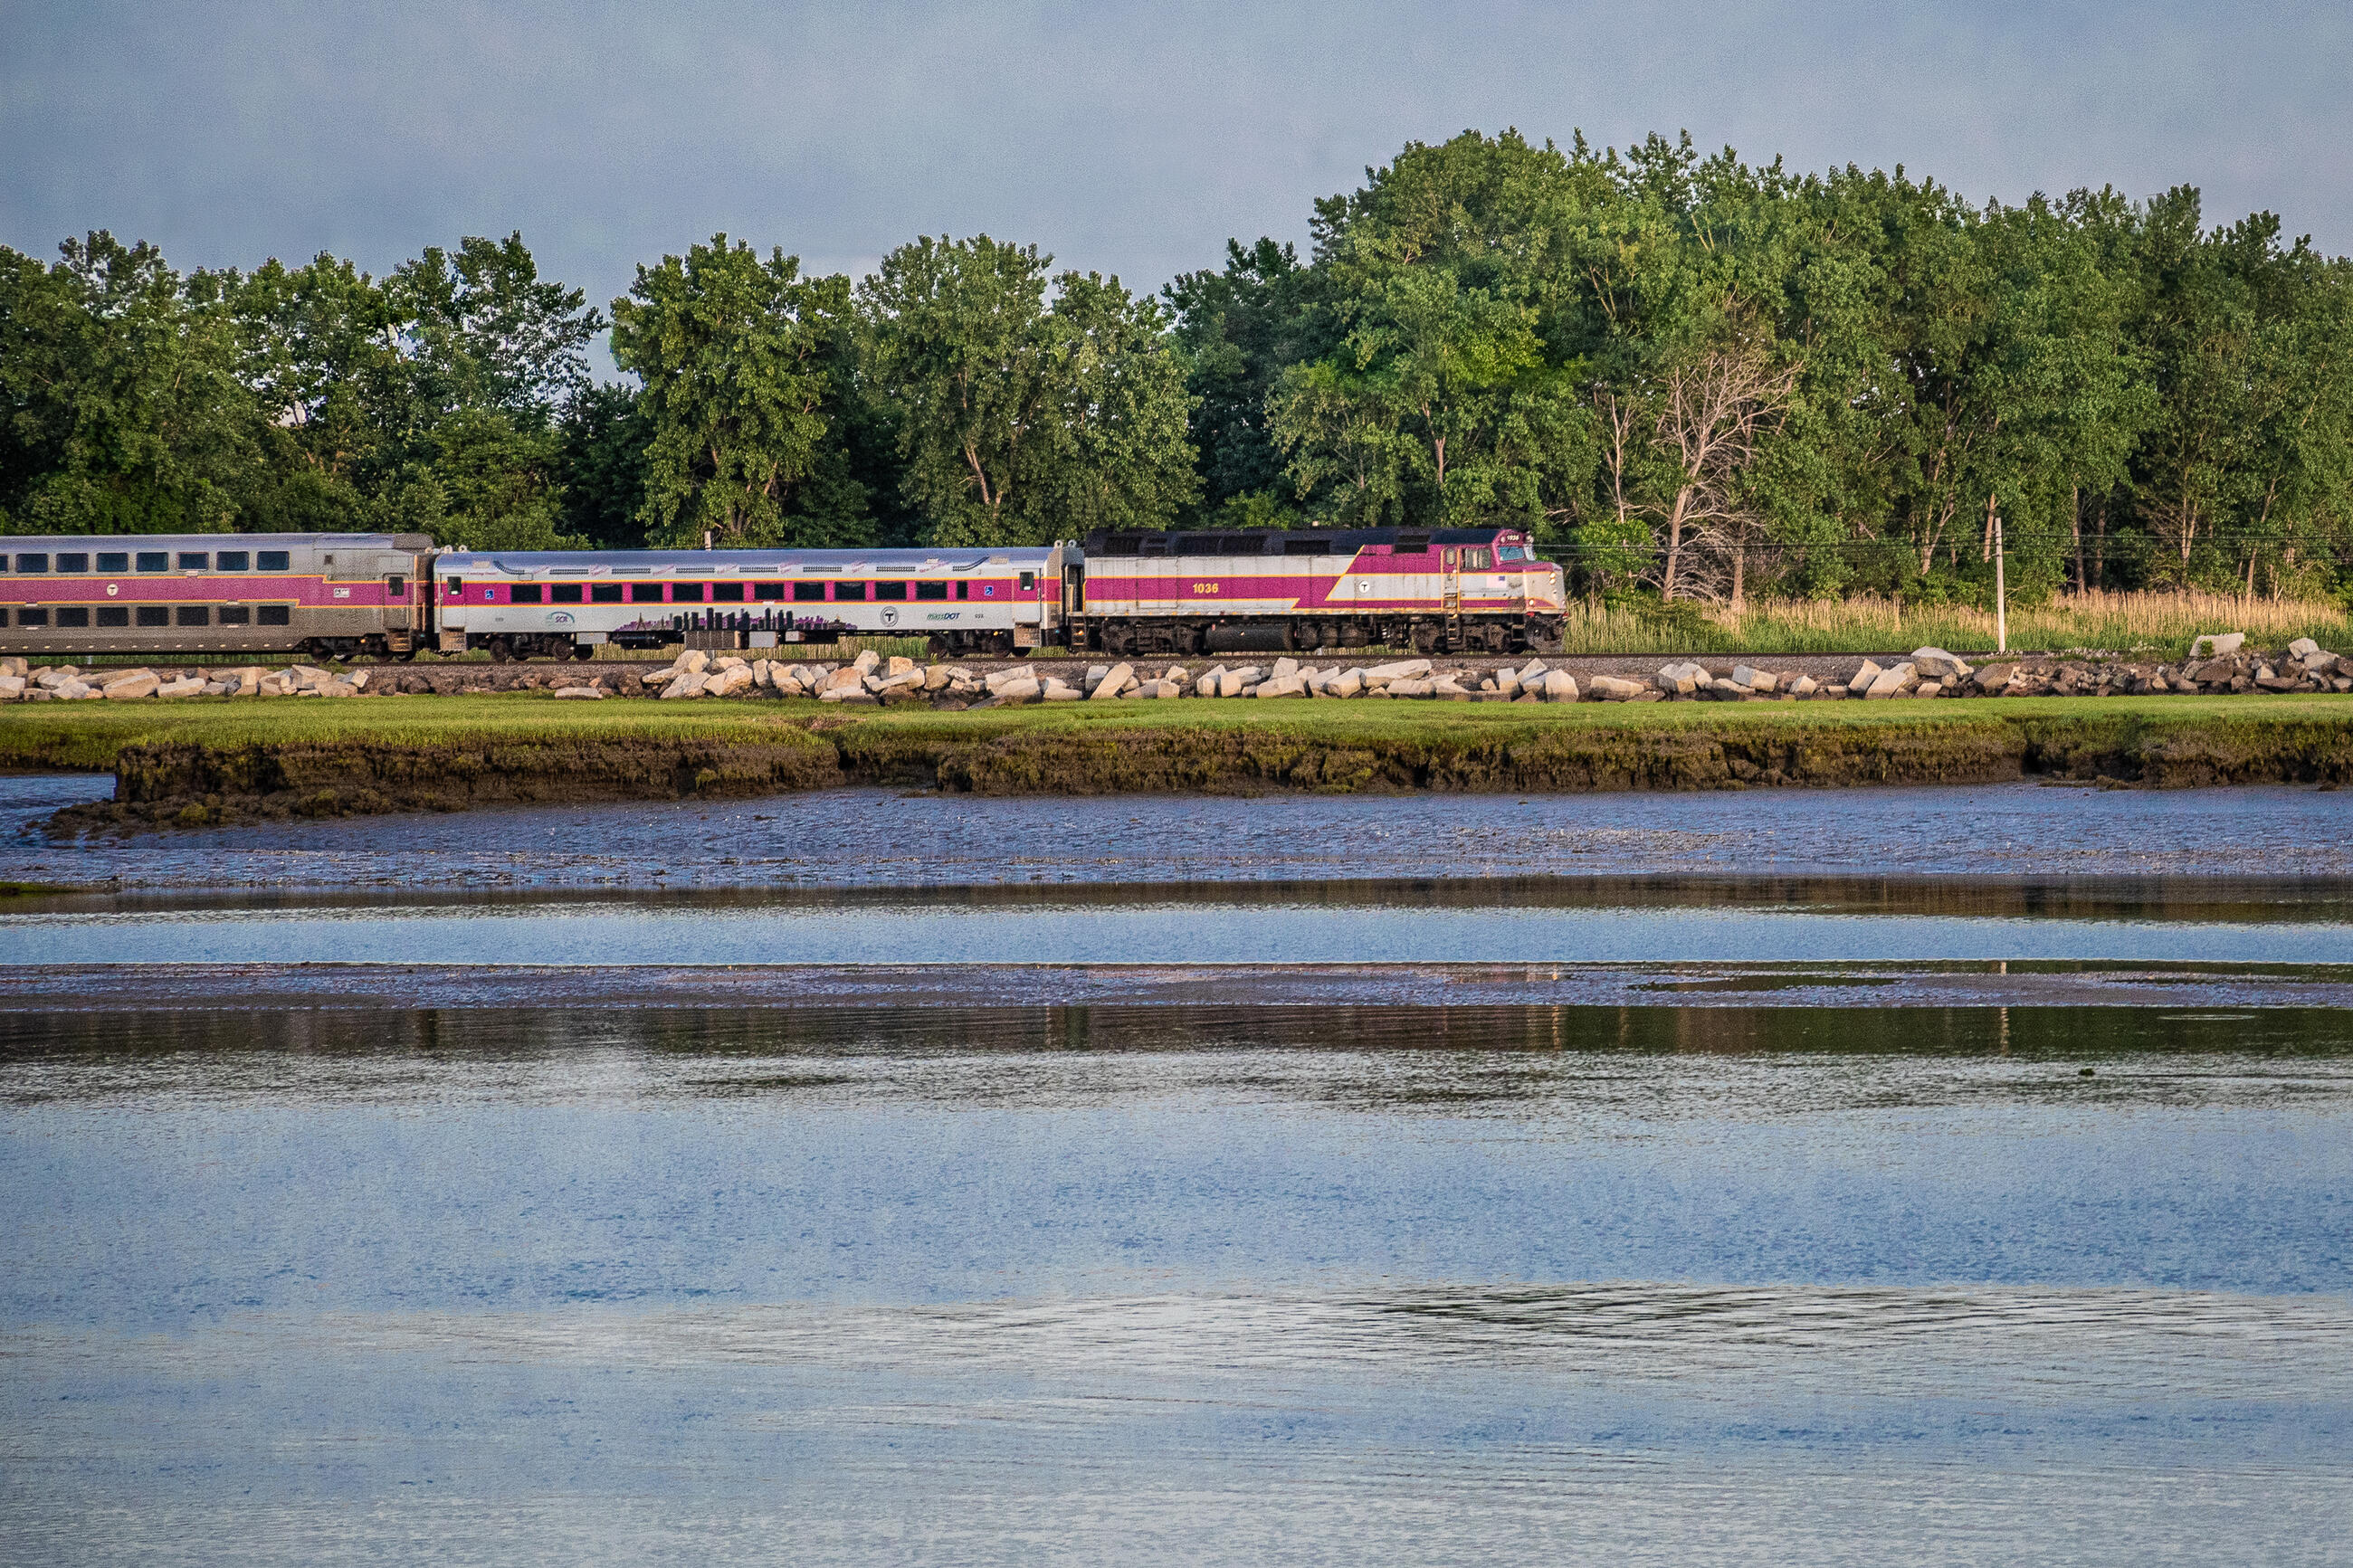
column 1948, row 1176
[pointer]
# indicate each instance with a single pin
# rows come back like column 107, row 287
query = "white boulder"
column 1889, row 683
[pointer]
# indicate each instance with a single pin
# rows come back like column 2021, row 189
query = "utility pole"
column 2001, row 593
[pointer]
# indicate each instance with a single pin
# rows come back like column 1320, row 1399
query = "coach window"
column 235, row 615
column 74, row 616
column 808, row 593
column 686, row 593
column 273, row 560
column 1029, row 582
column 851, row 591
column 32, row 563
column 645, row 593
column 196, row 561
column 397, row 586
column 727, row 593
column 564, row 592
column 32, row 618
column 194, row 615
column 73, row 562
column 526, row 594
column 604, row 593
column 113, row 561
column 767, row 592
column 964, row 589
column 231, row 561
column 274, row 616
column 154, row 560
column 931, row 590
column 154, row 615
column 889, row 590
column 114, row 614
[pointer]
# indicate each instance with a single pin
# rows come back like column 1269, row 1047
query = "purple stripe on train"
column 180, row 589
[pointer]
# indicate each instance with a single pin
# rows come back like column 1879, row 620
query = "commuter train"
column 394, row 596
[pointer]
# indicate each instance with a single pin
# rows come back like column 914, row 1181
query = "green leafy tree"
column 1021, row 422
column 393, row 404
column 484, row 329
column 120, row 409
column 733, row 354
column 1443, row 385
column 1237, row 330
column 2246, row 467
column 600, row 465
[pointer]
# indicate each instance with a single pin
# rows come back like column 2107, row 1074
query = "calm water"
column 1086, row 1285
column 878, row 837
column 1567, row 921
column 1951, row 1176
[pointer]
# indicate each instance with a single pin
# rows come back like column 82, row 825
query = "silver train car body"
column 518, row 604
column 212, row 594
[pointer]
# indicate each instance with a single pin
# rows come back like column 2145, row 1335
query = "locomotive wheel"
column 583, row 652
column 501, row 650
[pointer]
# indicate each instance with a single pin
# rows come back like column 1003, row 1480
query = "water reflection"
column 1370, row 1058
column 1230, row 1283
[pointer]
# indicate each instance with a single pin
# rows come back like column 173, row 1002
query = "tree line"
column 1689, row 377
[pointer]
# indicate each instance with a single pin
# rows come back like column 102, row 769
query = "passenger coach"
column 568, row 603
column 1450, row 590
column 328, row 595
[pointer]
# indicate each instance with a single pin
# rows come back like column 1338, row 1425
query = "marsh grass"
column 2148, row 625
column 87, row 735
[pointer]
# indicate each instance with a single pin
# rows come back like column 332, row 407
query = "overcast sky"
column 1124, row 138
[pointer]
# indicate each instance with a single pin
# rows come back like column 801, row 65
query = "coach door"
column 1450, row 563
column 396, row 590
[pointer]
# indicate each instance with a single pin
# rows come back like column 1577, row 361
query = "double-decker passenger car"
column 518, row 604
column 322, row 593
column 1445, row 589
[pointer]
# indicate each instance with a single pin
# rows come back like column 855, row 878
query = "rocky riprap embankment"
column 2225, row 666
column 1929, row 672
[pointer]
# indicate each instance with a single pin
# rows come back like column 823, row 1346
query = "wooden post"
column 2001, row 593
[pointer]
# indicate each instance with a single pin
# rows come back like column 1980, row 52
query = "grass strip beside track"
column 210, row 761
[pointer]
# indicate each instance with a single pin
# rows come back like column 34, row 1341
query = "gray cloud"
column 1126, row 138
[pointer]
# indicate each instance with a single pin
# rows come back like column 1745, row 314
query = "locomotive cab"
column 1450, row 590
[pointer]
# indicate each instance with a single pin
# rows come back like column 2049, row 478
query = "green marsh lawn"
column 87, row 735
